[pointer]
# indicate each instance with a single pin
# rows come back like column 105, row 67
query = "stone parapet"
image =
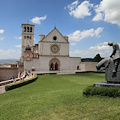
column 7, row 73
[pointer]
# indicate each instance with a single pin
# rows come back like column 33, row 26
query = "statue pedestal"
column 109, row 76
column 105, row 84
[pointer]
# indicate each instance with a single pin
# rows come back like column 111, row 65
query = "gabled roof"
column 52, row 31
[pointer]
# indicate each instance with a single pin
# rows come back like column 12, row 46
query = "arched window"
column 30, row 29
column 27, row 37
column 28, row 55
column 27, row 29
column 24, row 29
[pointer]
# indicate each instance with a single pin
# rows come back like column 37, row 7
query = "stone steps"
column 66, row 72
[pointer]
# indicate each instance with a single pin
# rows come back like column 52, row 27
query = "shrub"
column 20, row 83
column 102, row 91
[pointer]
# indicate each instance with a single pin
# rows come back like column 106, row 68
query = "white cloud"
column 80, row 10
column 1, row 31
column 104, row 43
column 73, row 5
column 102, row 48
column 10, row 54
column 18, row 46
column 72, row 43
column 98, row 17
column 37, row 20
column 109, row 11
column 79, row 35
column 99, row 48
column 1, row 38
column 98, row 31
column 18, row 38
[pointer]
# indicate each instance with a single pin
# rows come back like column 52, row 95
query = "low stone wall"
column 7, row 73
column 88, row 66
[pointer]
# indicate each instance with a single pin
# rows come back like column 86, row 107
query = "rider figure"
column 115, row 55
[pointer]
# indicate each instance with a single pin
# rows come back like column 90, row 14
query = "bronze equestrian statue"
column 111, row 64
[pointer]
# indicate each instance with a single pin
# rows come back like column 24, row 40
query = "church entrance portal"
column 54, row 64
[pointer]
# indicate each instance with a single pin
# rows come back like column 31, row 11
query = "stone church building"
column 50, row 54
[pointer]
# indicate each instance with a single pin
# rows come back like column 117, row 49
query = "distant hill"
column 87, row 60
column 7, row 61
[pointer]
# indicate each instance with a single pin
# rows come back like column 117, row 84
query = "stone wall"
column 7, row 73
column 43, row 63
column 45, row 46
column 74, row 63
column 21, row 68
column 88, row 66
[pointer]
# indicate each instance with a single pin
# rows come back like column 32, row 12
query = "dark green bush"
column 102, row 91
column 21, row 83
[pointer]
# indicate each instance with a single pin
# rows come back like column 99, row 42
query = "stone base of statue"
column 111, row 77
column 105, row 84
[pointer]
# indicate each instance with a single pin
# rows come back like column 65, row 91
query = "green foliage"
column 102, row 91
column 20, row 83
column 97, row 58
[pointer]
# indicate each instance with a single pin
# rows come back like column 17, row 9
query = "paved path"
column 2, row 89
column 57, row 72
column 4, row 83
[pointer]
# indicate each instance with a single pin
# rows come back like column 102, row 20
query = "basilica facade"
column 50, row 54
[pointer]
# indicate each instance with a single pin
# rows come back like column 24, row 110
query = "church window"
column 30, row 37
column 27, row 37
column 27, row 29
column 54, row 48
column 30, row 29
column 24, row 37
column 24, row 29
column 28, row 55
column 54, row 38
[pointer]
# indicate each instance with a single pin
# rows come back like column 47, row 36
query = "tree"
column 97, row 58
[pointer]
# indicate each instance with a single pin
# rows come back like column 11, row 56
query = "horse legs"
column 104, row 62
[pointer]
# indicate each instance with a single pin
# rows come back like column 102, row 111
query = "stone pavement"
column 4, row 83
column 57, row 72
column 2, row 89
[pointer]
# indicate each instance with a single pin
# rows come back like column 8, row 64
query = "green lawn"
column 58, row 97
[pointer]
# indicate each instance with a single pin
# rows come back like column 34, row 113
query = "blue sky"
column 90, row 24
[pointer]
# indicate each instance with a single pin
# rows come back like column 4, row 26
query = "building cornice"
column 29, row 24
column 53, row 55
column 53, row 42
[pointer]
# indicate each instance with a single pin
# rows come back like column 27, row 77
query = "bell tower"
column 27, row 38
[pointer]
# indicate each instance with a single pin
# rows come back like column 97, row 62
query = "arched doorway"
column 51, row 66
column 54, row 64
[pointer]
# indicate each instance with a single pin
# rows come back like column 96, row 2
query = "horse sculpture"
column 111, row 65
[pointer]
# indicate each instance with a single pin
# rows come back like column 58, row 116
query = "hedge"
column 20, row 83
column 102, row 91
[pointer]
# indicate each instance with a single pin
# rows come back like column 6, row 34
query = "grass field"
column 58, row 97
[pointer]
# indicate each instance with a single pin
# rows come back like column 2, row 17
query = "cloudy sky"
column 90, row 24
